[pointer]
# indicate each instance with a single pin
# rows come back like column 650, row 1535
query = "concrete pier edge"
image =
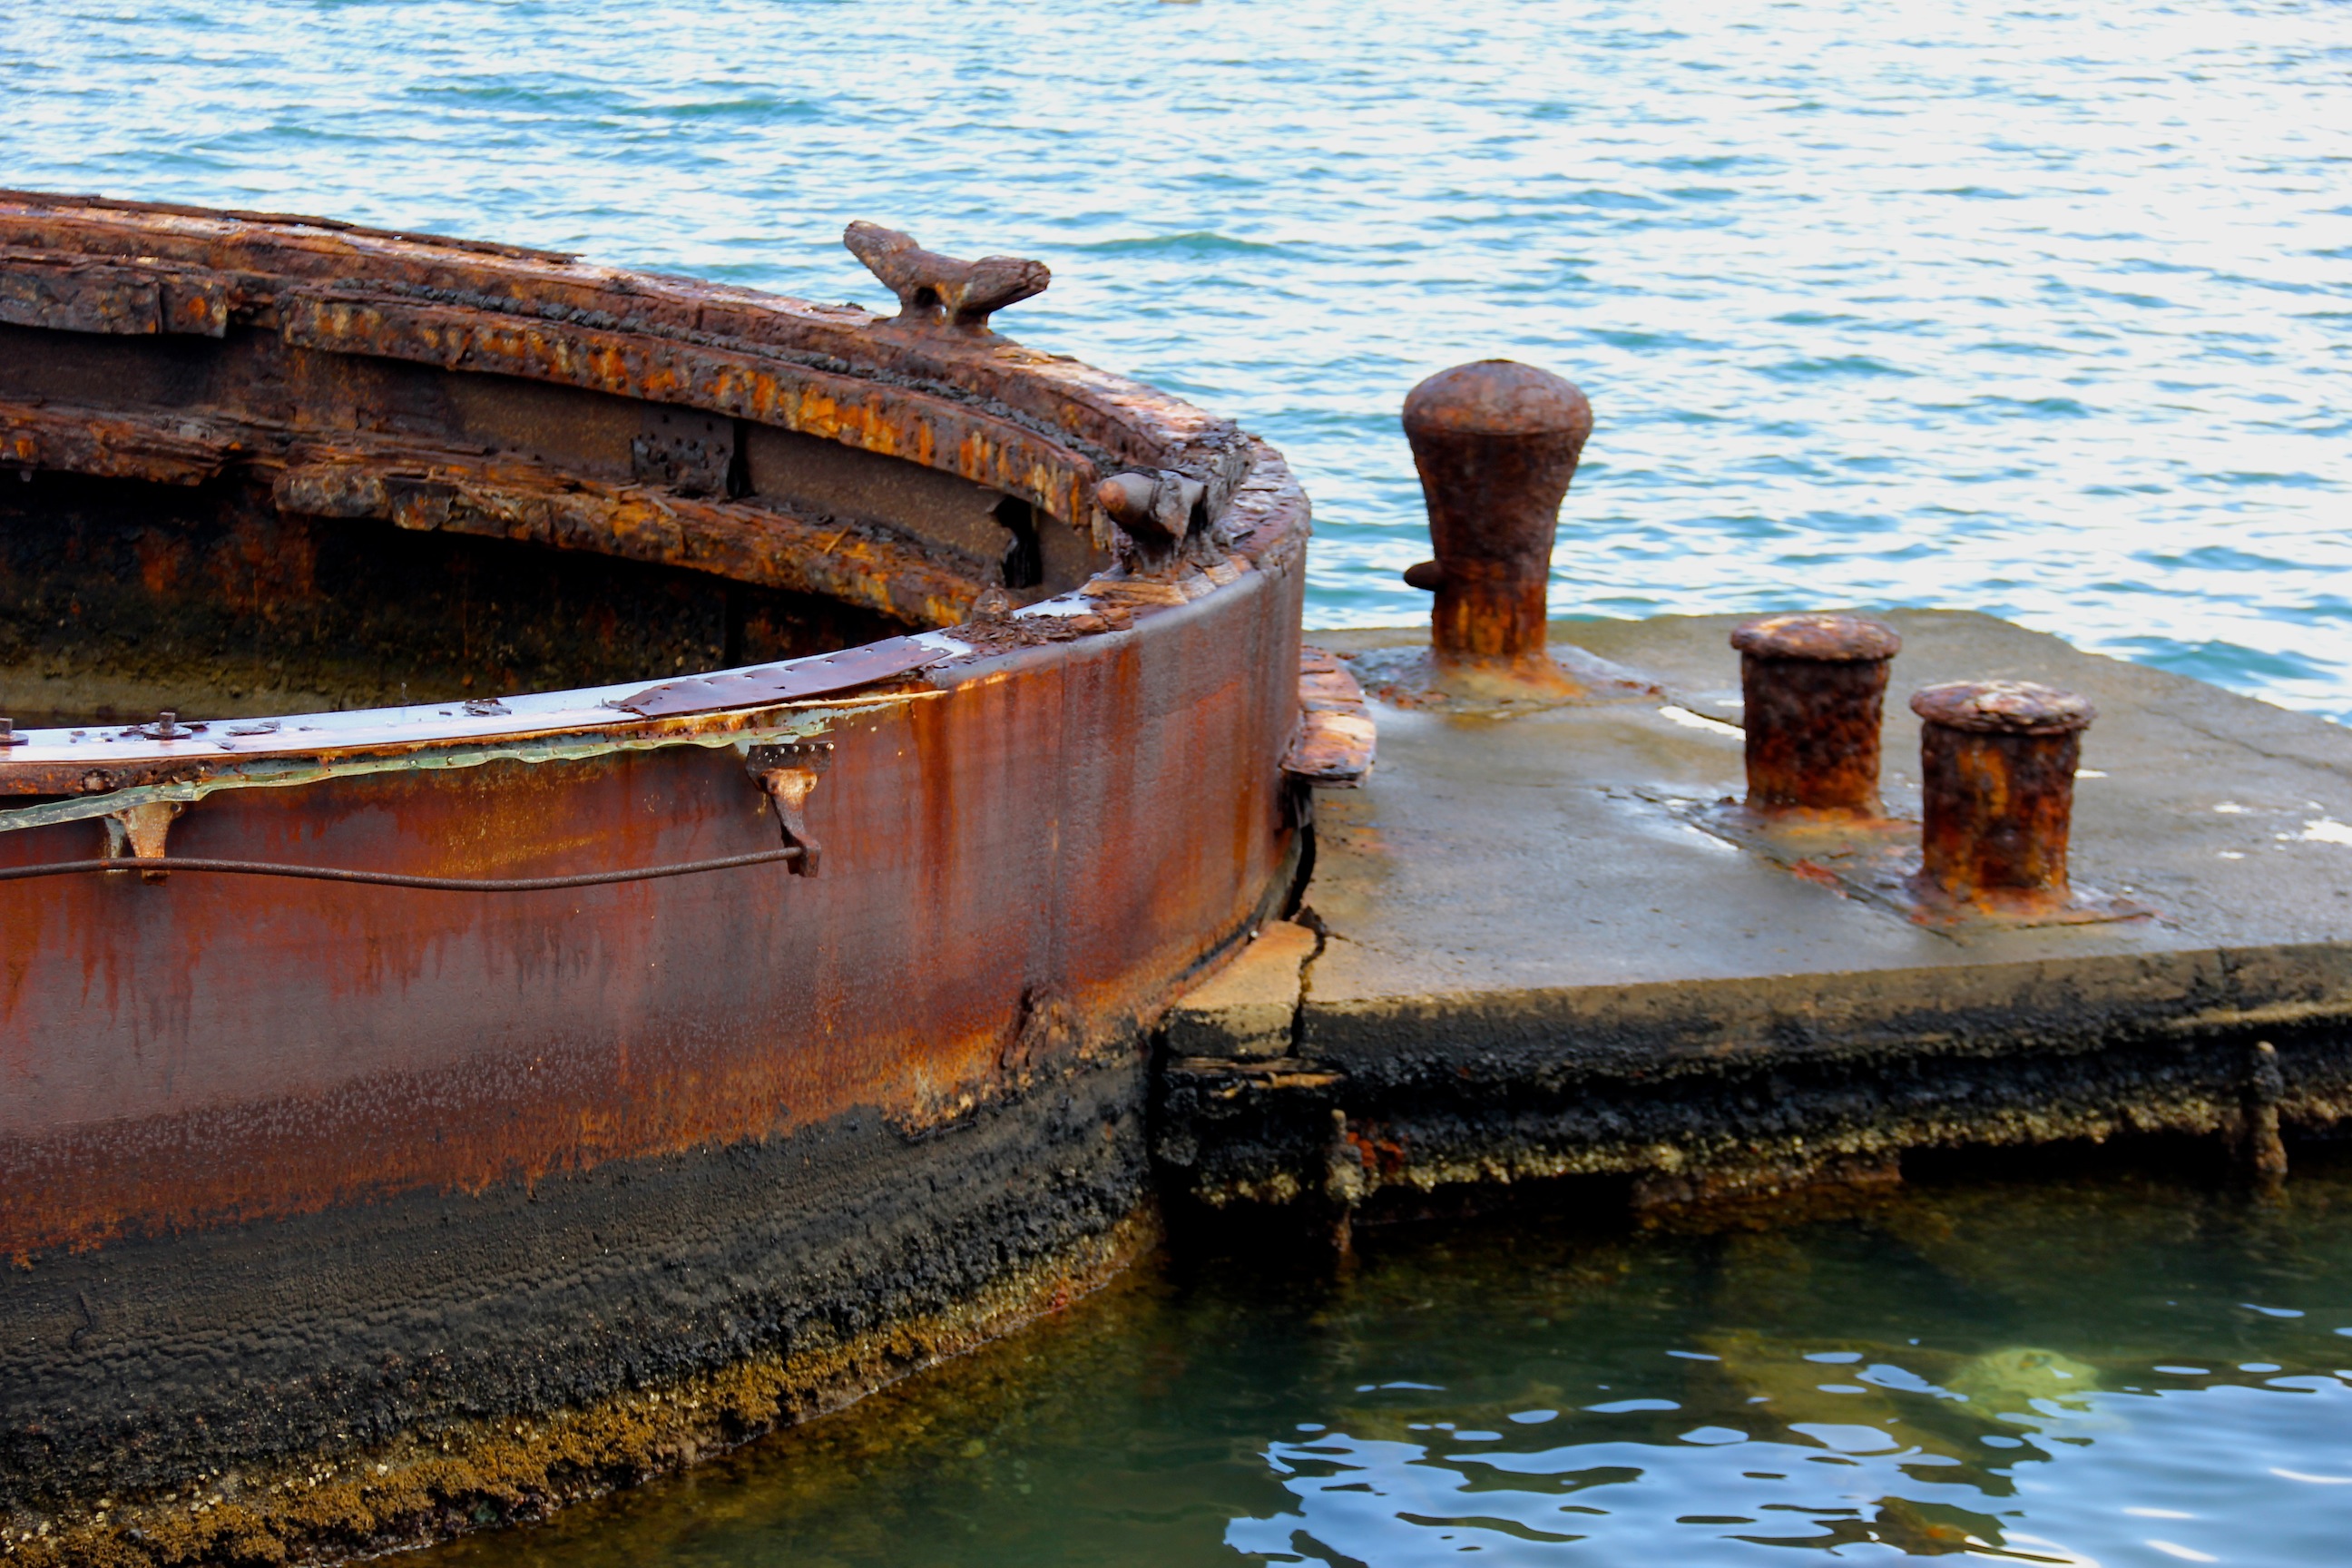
column 1544, row 942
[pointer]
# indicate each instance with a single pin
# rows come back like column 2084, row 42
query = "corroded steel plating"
column 1210, row 656
column 1814, row 688
column 1997, row 777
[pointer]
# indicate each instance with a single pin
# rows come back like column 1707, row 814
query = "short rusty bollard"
column 1997, row 770
column 1815, row 691
column 1497, row 444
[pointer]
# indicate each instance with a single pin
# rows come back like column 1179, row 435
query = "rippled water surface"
column 2119, row 1369
column 2039, row 308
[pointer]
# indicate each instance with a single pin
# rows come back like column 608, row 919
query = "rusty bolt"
column 1815, row 687
column 1997, row 769
column 8, row 736
column 1497, row 444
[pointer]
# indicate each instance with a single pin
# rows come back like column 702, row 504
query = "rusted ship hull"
column 420, row 1177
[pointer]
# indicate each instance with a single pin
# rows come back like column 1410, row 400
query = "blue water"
column 2036, row 307
column 2116, row 1372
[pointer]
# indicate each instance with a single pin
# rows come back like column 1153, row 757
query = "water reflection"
column 2109, row 1369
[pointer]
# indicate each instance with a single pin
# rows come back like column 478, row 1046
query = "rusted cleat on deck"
column 1997, row 774
column 937, row 290
column 1815, row 693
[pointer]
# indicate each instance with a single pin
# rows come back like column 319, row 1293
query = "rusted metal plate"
column 796, row 682
column 81, row 299
column 415, row 488
column 1336, row 736
column 165, row 449
column 80, row 296
column 751, row 542
column 1023, row 798
column 1060, row 835
column 892, row 421
column 1058, row 398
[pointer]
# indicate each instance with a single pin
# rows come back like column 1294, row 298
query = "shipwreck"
column 587, row 858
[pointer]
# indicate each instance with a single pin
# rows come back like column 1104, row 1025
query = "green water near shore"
column 2115, row 1368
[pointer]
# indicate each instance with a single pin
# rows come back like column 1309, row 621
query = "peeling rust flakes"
column 1337, row 738
column 168, row 450
column 887, row 421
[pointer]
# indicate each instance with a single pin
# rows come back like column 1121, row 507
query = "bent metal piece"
column 1497, row 444
column 1814, row 690
column 753, row 1144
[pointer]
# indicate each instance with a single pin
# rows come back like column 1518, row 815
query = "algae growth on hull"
column 2112, row 1368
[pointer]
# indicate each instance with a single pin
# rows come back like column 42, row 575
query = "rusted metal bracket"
column 1334, row 745
column 787, row 775
column 1158, row 512
column 937, row 290
column 137, row 833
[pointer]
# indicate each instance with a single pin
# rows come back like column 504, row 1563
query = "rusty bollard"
column 1496, row 443
column 1997, row 770
column 1815, row 690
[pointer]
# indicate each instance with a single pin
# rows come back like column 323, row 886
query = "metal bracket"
column 1155, row 510
column 137, row 833
column 787, row 774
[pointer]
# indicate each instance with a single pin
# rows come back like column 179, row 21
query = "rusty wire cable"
column 392, row 878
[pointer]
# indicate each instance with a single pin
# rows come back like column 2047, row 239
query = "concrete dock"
column 1548, row 943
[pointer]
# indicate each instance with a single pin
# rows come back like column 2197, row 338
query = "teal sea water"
column 2036, row 307
column 2120, row 1371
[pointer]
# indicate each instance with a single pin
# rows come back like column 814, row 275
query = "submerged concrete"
column 1552, row 945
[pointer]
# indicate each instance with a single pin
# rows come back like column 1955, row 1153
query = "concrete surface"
column 1535, row 925
column 1250, row 1007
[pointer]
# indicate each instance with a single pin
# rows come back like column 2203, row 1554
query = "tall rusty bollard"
column 1815, row 694
column 1997, row 772
column 1497, row 444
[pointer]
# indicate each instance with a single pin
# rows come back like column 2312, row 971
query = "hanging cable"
column 151, row 864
